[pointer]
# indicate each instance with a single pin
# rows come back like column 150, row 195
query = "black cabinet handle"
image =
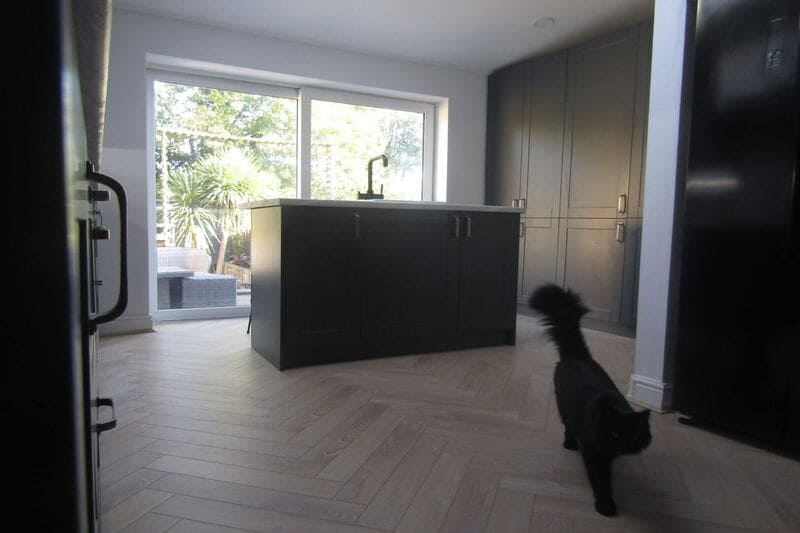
column 122, row 200
column 358, row 225
column 468, row 227
column 456, row 226
column 99, row 233
column 111, row 424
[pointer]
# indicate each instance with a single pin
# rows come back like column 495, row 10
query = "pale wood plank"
column 127, row 487
column 248, row 518
column 472, row 504
column 230, row 442
column 256, row 460
column 152, row 523
column 430, row 505
column 132, row 509
column 351, row 458
column 511, row 511
column 370, row 477
column 245, row 476
column 260, row 498
column 389, row 504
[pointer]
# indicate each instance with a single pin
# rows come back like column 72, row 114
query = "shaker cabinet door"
column 410, row 274
column 320, row 276
column 541, row 181
column 540, row 254
column 504, row 135
column 591, row 256
column 599, row 126
column 488, row 274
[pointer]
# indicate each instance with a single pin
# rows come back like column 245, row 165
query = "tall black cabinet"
column 565, row 142
column 737, row 332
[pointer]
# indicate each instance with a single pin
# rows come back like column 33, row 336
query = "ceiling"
column 474, row 35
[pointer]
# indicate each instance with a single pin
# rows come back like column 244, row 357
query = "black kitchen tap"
column 370, row 195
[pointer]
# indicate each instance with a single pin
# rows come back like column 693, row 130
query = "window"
column 218, row 143
column 215, row 149
column 345, row 136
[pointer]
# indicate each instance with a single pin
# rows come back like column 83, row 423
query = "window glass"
column 345, row 136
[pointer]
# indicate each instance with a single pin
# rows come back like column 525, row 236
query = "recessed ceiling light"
column 543, row 22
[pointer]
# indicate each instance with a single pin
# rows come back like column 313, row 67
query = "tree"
column 230, row 178
column 194, row 223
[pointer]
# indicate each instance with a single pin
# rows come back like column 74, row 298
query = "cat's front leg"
column 598, row 468
column 569, row 440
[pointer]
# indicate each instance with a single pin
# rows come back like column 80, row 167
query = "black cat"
column 597, row 419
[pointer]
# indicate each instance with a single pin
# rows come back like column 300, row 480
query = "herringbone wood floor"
column 211, row 437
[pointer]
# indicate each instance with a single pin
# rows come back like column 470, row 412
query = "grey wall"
column 460, row 97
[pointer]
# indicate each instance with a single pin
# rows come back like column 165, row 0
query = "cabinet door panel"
column 630, row 276
column 321, row 276
column 590, row 263
column 600, row 106
column 410, row 262
column 488, row 279
column 504, row 135
column 541, row 183
column 540, row 255
column 636, row 187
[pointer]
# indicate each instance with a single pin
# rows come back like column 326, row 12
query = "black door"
column 321, row 276
column 410, row 261
column 488, row 274
column 736, row 346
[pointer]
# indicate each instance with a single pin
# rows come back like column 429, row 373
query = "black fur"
column 597, row 419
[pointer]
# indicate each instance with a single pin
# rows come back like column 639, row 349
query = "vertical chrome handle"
column 622, row 203
column 468, row 228
column 522, row 203
column 620, row 232
column 456, row 232
column 358, row 225
column 521, row 229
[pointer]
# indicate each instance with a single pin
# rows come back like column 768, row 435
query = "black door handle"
column 122, row 200
column 110, row 424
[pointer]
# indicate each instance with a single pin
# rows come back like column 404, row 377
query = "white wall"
column 135, row 37
column 651, row 382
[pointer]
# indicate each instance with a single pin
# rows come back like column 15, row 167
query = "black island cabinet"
column 336, row 281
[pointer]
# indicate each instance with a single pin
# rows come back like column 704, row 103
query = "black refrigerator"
column 737, row 330
column 53, row 411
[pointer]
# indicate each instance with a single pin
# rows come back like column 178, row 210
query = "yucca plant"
column 193, row 221
column 204, row 199
column 230, row 177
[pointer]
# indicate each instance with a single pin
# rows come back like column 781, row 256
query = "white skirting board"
column 651, row 393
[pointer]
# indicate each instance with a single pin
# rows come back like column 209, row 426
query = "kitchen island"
column 341, row 280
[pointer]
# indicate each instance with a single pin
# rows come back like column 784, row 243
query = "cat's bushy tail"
column 561, row 312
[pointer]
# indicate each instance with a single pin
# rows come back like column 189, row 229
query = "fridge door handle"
column 122, row 200
column 110, row 424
